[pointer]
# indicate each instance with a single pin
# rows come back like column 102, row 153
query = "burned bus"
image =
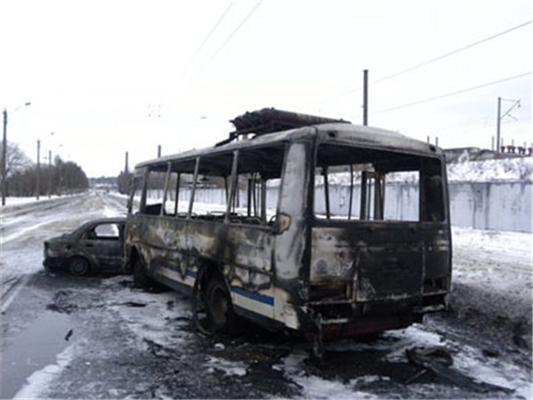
column 298, row 222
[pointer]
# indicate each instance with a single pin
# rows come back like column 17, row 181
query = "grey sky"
column 110, row 76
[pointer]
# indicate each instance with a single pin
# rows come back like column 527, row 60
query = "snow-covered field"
column 128, row 343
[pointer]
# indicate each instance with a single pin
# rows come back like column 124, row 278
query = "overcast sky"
column 110, row 76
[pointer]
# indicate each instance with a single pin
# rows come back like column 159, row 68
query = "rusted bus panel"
column 383, row 261
column 363, row 326
column 293, row 212
column 160, row 242
column 332, row 258
column 238, row 244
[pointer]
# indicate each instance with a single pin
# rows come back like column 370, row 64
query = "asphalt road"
column 97, row 337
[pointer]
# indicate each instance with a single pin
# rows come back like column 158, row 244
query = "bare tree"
column 63, row 177
column 17, row 160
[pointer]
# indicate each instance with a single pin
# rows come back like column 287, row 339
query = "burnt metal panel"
column 383, row 260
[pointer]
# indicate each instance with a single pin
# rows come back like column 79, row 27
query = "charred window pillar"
column 167, row 181
column 233, row 185
column 193, row 190
column 364, row 195
column 177, row 194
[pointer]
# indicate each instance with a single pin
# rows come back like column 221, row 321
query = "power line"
column 437, row 58
column 246, row 18
column 451, row 53
column 461, row 91
column 211, row 31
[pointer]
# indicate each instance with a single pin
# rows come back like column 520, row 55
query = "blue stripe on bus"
column 254, row 296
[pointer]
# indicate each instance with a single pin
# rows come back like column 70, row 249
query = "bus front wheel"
column 212, row 307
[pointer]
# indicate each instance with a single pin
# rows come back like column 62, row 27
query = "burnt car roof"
column 342, row 133
column 109, row 220
column 97, row 221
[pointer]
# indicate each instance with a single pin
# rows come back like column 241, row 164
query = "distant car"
column 93, row 247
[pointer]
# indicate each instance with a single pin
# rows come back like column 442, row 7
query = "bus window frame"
column 316, row 221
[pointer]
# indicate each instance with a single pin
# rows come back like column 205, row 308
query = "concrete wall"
column 496, row 205
column 506, row 206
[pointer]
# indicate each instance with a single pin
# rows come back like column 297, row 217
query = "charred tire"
column 79, row 266
column 140, row 279
column 212, row 307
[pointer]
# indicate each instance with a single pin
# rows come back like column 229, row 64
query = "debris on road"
column 439, row 361
column 69, row 334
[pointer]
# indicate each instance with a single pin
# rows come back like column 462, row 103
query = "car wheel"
column 79, row 266
column 212, row 308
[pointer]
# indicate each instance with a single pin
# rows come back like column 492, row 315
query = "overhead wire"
column 454, row 93
column 437, row 58
column 232, row 34
column 211, row 31
column 451, row 53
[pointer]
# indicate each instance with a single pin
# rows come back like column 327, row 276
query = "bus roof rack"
column 269, row 120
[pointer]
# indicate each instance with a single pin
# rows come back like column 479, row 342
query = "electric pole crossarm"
column 516, row 103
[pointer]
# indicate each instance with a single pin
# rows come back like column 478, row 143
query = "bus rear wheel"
column 140, row 279
column 212, row 307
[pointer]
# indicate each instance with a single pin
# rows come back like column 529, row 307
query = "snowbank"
column 15, row 201
column 505, row 169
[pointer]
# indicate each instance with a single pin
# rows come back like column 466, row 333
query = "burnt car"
column 95, row 246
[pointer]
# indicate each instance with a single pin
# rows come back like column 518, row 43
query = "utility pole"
column 158, row 151
column 49, row 174
column 365, row 97
column 498, row 125
column 4, row 159
column 38, row 167
column 516, row 103
column 4, row 154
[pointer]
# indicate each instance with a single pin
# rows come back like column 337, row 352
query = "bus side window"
column 432, row 192
column 258, row 185
column 134, row 202
column 155, row 187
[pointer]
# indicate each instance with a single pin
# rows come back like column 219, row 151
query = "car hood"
column 63, row 237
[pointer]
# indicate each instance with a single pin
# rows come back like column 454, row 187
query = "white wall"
column 495, row 205
column 492, row 205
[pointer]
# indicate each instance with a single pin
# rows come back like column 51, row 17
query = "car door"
column 107, row 244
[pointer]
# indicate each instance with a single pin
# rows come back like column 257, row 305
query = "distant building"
column 104, row 183
column 461, row 154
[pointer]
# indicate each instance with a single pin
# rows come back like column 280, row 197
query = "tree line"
column 24, row 178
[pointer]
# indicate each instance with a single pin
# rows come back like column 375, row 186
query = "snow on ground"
column 228, row 368
column 40, row 379
column 485, row 264
column 514, row 248
column 149, row 322
column 316, row 387
column 15, row 201
column 493, row 276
